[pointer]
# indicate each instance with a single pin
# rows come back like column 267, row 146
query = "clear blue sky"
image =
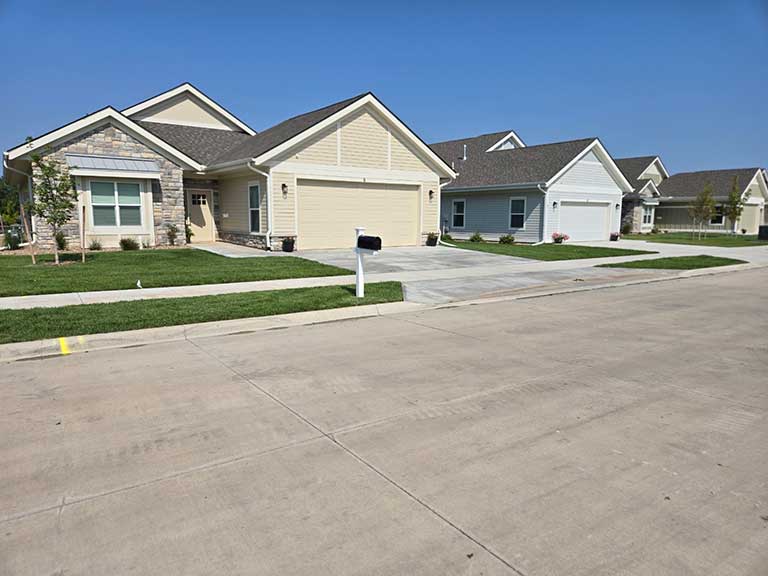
column 687, row 80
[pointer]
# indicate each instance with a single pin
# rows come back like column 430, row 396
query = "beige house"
column 180, row 158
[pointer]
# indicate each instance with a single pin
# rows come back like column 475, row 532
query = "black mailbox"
column 369, row 242
column 762, row 233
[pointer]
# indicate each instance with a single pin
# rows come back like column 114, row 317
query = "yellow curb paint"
column 64, row 346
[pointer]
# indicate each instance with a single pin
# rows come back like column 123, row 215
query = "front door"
column 200, row 215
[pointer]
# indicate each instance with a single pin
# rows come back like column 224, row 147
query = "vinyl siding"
column 322, row 148
column 587, row 181
column 284, row 213
column 233, row 198
column 364, row 141
column 488, row 213
column 430, row 210
column 185, row 109
column 653, row 173
column 403, row 156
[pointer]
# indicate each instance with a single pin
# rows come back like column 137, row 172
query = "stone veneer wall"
column 255, row 240
column 109, row 140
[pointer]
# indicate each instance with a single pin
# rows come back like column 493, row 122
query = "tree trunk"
column 55, row 246
column 30, row 240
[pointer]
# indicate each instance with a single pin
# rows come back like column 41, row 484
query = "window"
column 718, row 217
column 116, row 203
column 199, row 199
column 517, row 212
column 254, row 207
column 458, row 214
column 647, row 214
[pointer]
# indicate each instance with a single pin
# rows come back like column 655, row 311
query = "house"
column 638, row 208
column 678, row 191
column 180, row 158
column 505, row 187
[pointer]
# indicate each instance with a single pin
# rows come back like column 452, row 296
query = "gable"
column 588, row 174
column 363, row 139
column 652, row 173
column 757, row 189
column 187, row 110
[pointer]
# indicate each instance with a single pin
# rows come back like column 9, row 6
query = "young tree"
column 703, row 207
column 9, row 204
column 734, row 206
column 55, row 197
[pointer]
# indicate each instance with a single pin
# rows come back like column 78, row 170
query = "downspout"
column 543, row 189
column 268, row 176
column 6, row 166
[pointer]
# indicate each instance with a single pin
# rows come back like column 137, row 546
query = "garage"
column 328, row 213
column 584, row 221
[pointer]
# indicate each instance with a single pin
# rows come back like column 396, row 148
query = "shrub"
column 446, row 237
column 626, row 228
column 94, row 245
column 172, row 231
column 188, row 233
column 12, row 240
column 129, row 244
column 476, row 237
column 506, row 239
column 655, row 230
column 61, row 240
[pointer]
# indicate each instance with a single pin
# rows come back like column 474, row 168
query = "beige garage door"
column 330, row 211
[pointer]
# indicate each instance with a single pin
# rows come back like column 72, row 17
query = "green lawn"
column 677, row 263
column 721, row 240
column 121, row 270
column 547, row 251
column 38, row 323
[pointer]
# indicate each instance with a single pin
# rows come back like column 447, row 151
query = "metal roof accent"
column 113, row 163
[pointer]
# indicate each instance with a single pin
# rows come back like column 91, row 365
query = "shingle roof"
column 264, row 141
column 633, row 167
column 202, row 144
column 687, row 185
column 529, row 165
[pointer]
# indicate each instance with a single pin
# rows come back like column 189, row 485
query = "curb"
column 53, row 347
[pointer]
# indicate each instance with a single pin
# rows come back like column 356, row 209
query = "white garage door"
column 330, row 211
column 584, row 221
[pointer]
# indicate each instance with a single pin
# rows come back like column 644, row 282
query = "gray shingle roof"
column 633, row 167
column 529, row 165
column 202, row 144
column 687, row 185
column 264, row 141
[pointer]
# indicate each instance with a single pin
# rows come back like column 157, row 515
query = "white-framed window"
column 116, row 203
column 647, row 214
column 517, row 213
column 199, row 199
column 458, row 213
column 718, row 217
column 254, row 207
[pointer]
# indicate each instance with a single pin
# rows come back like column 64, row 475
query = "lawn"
column 38, row 323
column 677, row 263
column 548, row 251
column 721, row 240
column 121, row 270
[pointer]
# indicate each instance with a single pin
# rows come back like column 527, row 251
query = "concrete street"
column 616, row 431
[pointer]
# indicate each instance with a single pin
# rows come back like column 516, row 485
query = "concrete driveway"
column 599, row 433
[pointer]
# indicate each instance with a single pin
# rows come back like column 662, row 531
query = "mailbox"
column 369, row 243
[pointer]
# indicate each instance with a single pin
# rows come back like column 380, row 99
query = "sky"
column 685, row 80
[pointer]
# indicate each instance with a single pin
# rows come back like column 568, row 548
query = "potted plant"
column 614, row 236
column 432, row 239
column 288, row 243
column 559, row 237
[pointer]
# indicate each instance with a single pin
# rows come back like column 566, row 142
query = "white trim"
column 761, row 183
column 371, row 100
column 338, row 143
column 118, row 227
column 463, row 214
column 664, row 171
column 721, row 215
column 511, row 136
column 251, row 184
column 187, row 88
column 509, row 212
column 351, row 172
column 610, row 165
column 86, row 123
column 94, row 173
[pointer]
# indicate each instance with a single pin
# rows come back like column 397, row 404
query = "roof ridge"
column 756, row 168
column 195, row 127
column 548, row 144
column 471, row 137
column 350, row 100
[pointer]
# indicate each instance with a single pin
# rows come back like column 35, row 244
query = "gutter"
column 498, row 187
column 268, row 176
column 439, row 224
column 6, row 166
column 543, row 189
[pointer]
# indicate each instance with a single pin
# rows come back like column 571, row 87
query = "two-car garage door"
column 328, row 213
column 585, row 220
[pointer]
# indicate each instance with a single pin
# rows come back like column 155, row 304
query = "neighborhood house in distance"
column 181, row 157
column 660, row 201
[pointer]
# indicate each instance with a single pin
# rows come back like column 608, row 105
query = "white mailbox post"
column 363, row 245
